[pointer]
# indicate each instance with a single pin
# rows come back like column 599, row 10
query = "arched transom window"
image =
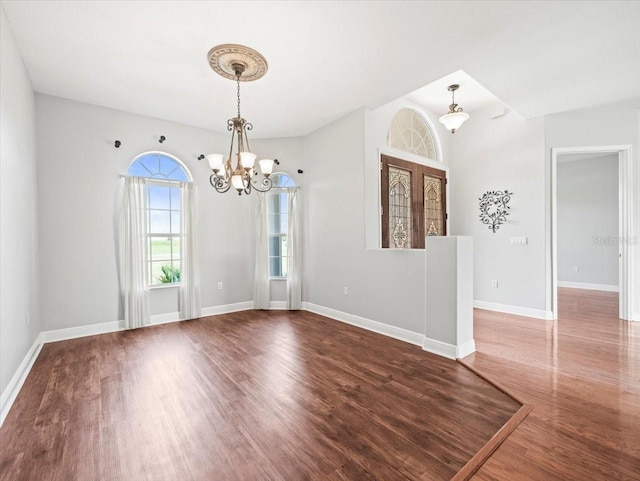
column 409, row 132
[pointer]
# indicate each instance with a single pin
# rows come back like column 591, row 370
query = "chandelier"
column 239, row 63
column 455, row 117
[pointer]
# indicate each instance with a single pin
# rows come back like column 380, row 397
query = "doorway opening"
column 596, row 231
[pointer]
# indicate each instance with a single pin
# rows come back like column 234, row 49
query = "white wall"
column 606, row 126
column 498, row 154
column 18, row 209
column 587, row 207
column 79, row 194
column 385, row 285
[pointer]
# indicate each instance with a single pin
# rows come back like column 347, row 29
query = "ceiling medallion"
column 223, row 58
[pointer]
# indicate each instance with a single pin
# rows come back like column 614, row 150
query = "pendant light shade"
column 454, row 120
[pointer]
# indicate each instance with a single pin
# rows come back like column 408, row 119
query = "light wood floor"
column 248, row 396
column 582, row 375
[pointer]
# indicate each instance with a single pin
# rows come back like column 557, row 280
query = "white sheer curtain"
column 294, row 288
column 189, row 272
column 133, row 253
column 261, row 291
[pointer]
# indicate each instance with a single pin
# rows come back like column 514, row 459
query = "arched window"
column 411, row 133
column 164, row 210
column 278, row 225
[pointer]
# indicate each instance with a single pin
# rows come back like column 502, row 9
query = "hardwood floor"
column 247, row 396
column 582, row 375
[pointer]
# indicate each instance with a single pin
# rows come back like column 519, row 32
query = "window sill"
column 277, row 278
column 164, row 286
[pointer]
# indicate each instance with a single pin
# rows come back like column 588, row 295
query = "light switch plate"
column 519, row 241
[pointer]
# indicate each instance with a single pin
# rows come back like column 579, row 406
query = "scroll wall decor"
column 494, row 209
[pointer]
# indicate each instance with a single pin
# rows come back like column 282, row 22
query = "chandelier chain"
column 238, row 82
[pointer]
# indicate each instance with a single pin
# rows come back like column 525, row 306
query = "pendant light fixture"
column 455, row 117
column 242, row 64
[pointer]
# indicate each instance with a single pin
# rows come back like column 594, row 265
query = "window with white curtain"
column 277, row 225
column 165, row 175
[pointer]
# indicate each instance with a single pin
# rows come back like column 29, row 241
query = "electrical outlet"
column 494, row 283
column 219, row 286
column 576, row 268
column 346, row 291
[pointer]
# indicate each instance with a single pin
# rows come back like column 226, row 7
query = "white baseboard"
column 440, row 348
column 227, row 308
column 463, row 350
column 375, row 326
column 635, row 317
column 278, row 305
column 15, row 384
column 516, row 310
column 81, row 331
column 592, row 287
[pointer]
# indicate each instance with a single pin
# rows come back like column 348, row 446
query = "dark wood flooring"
column 247, row 396
column 582, row 375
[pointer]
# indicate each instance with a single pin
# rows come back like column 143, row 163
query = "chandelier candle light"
column 239, row 63
column 455, row 117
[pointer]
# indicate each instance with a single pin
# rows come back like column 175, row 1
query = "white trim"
column 170, row 285
column 164, row 318
column 463, row 350
column 439, row 348
column 278, row 305
column 227, row 308
column 516, row 310
column 375, row 326
column 81, row 331
column 627, row 228
column 585, row 285
column 19, row 377
column 636, row 317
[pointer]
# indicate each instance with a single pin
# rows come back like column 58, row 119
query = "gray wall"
column 385, row 285
column 587, row 206
column 18, row 210
column 79, row 195
column 498, row 154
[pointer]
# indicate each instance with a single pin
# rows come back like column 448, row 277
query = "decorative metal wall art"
column 494, row 209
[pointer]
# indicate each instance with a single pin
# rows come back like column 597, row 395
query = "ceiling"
column 327, row 58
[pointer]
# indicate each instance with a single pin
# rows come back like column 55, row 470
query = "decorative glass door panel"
column 400, row 218
column 433, row 212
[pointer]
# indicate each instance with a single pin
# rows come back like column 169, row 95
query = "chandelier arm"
column 219, row 184
column 233, row 134
column 247, row 126
column 266, row 182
